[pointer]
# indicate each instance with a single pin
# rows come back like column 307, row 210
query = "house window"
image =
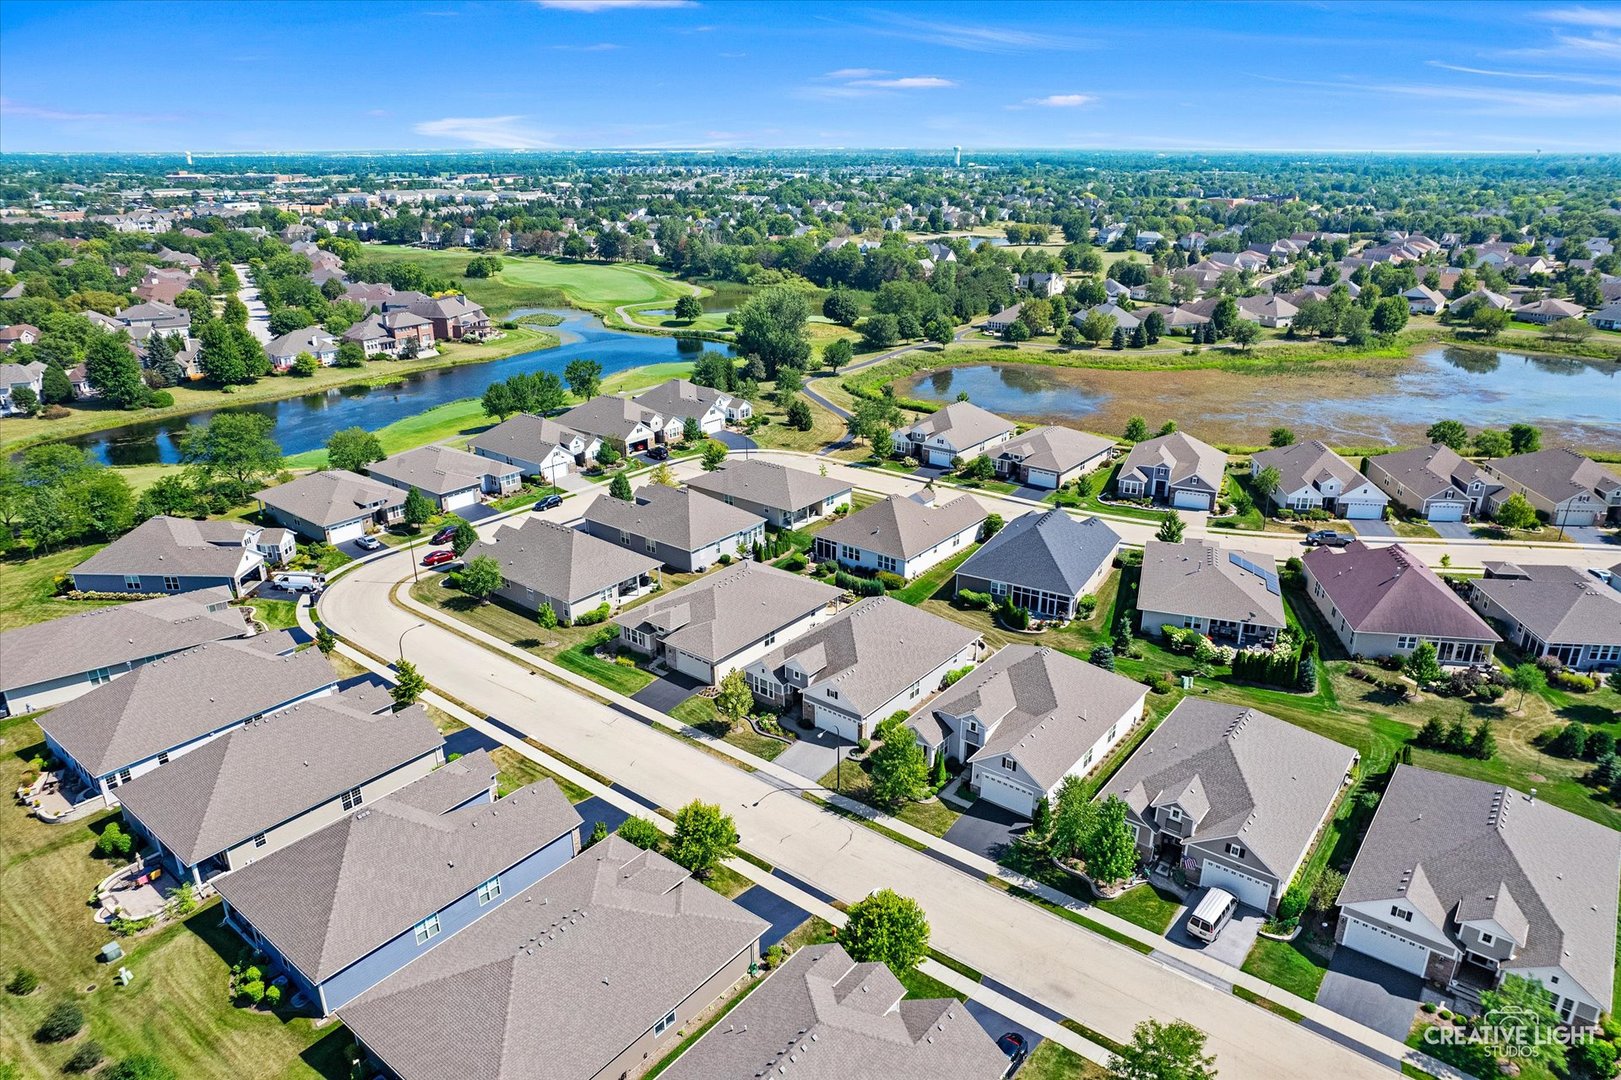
column 1174, row 813
column 427, row 929
column 132, row 582
column 351, row 798
column 120, row 777
column 1485, row 938
column 490, row 890
column 889, row 563
column 771, row 639
column 833, row 694
column 624, row 537
column 163, row 758
column 652, row 545
column 260, row 841
column 1399, row 912
column 1236, row 851
column 917, row 688
column 973, row 725
column 1009, row 764
column 171, row 584
column 1407, row 641
column 999, row 589
column 666, row 1024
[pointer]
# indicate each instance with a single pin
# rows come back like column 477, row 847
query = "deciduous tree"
column 1163, row 1051
column 703, row 837
column 886, row 928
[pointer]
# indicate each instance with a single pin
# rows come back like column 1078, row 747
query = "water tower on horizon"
column 956, row 152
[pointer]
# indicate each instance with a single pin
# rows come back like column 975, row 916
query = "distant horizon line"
column 944, row 151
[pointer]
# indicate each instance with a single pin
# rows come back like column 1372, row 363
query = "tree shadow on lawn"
column 332, row 1056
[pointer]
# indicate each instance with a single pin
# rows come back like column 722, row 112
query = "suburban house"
column 681, row 530
column 1045, row 561
column 537, row 446
column 1548, row 311
column 454, row 317
column 1003, row 319
column 15, row 377
column 1566, row 487
column 544, row 563
column 170, row 707
column 17, row 334
column 318, row 343
column 169, row 555
column 1464, row 881
column 154, row 316
column 1176, row 469
column 875, row 658
column 1050, row 457
column 622, row 423
column 450, row 478
column 1027, row 718
column 394, row 334
column 1556, row 611
column 728, row 619
column 786, row 498
column 901, row 535
column 1423, row 300
column 681, row 400
column 334, row 505
column 1233, row 796
column 346, row 907
column 961, row 430
column 845, row 1017
column 1383, row 601
column 1125, row 319
column 1607, row 317
column 1433, row 482
column 275, row 780
column 1229, row 596
column 56, row 661
column 1268, row 310
column 1313, row 477
column 590, row 972
column 1042, row 283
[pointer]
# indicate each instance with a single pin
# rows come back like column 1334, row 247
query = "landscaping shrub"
column 1086, row 606
column 891, row 581
column 139, row 1067
column 1159, row 682
column 725, row 560
column 272, row 996
column 23, row 983
column 596, row 615
column 858, row 585
column 974, row 601
column 795, row 562
column 64, row 1021
column 641, row 832
column 1571, row 680
column 1012, row 614
column 85, row 1058
column 953, row 676
column 1291, row 905
column 114, row 842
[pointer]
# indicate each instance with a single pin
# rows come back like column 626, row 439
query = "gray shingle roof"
column 1559, row 604
column 607, row 416
column 905, row 528
column 962, row 423
column 336, row 895
column 311, row 339
column 1308, row 464
column 1058, row 449
column 679, row 397
column 1197, row 577
column 1265, row 782
column 271, row 770
column 1047, row 707
column 560, row 979
column 555, row 560
column 672, row 516
column 182, row 697
column 1386, row 590
column 873, row 650
column 116, row 635
column 1192, row 463
column 1427, row 471
column 715, row 616
column 1467, row 841
column 525, row 436
column 768, row 484
column 1048, row 550
column 439, row 470
column 1557, row 474
column 331, row 497
column 822, row 1016
column 170, row 545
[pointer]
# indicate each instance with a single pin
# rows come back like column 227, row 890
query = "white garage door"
column 1362, row 511
column 458, row 499
column 1190, row 500
column 1446, row 511
column 689, row 665
column 837, row 723
column 941, row 458
column 1380, row 944
column 1249, row 890
column 712, row 424
column 341, row 533
column 1004, row 793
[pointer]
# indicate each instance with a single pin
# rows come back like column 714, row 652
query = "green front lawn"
column 927, row 987
column 621, row 678
column 28, row 587
column 1144, row 906
column 1289, row 965
column 1050, row 1061
column 275, row 614
column 516, row 771
column 700, row 713
column 931, row 581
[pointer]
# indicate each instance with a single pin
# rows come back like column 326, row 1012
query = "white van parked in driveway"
column 1213, row 913
column 305, row 581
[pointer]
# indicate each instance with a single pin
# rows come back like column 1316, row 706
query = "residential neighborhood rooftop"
column 717, row 615
column 438, row 470
column 768, row 484
column 1556, row 603
column 181, row 546
column 524, row 436
column 1047, row 549
column 1557, row 474
column 1187, row 459
column 554, row 560
column 1202, row 578
column 1308, row 464
column 330, row 497
column 962, row 423
column 1387, row 590
column 903, row 527
column 672, row 516
column 1055, row 449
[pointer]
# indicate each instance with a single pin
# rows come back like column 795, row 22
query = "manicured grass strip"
column 720, row 1014
column 1268, row 1004
column 275, row 614
column 728, row 882
column 1051, row 1061
column 929, row 582
column 1145, row 906
column 516, row 771
column 1073, row 916
column 1411, row 1070
column 1284, row 965
column 570, row 762
column 926, row 987
column 616, row 677
column 756, row 860
column 955, row 965
column 1098, row 1037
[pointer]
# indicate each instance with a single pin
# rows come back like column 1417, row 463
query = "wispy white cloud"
column 1583, row 16
column 9, row 107
column 1489, row 100
column 906, row 82
column 1548, row 76
column 975, row 38
column 601, row 46
column 498, row 132
column 855, row 73
column 1062, row 101
column 592, row 6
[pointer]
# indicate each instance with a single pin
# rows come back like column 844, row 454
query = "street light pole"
column 407, row 630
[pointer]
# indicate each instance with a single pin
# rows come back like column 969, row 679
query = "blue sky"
column 700, row 73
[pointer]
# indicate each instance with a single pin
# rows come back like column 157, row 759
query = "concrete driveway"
column 813, row 754
column 1371, row 992
column 477, row 512
column 1234, row 942
column 1373, row 528
column 996, row 1025
column 1592, row 534
column 667, row 691
column 734, row 440
column 1452, row 530
column 986, row 828
column 783, row 914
